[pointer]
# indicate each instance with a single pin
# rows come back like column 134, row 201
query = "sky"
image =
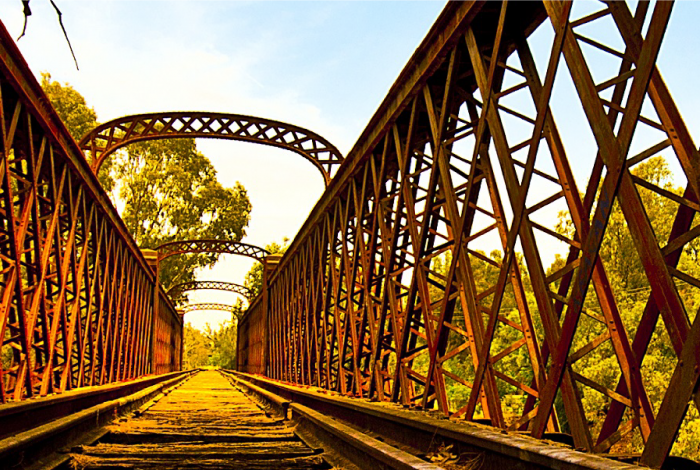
column 324, row 65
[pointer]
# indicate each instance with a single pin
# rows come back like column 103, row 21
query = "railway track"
column 204, row 423
column 229, row 420
column 216, row 421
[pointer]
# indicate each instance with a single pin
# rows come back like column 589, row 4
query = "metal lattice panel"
column 76, row 295
column 387, row 293
column 175, row 291
column 208, row 306
column 112, row 135
column 210, row 246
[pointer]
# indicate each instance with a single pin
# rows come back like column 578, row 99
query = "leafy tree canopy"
column 253, row 279
column 197, row 348
column 78, row 117
column 165, row 190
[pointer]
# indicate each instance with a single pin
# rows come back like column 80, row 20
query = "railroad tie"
column 205, row 423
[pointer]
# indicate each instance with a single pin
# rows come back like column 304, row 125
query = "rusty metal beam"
column 387, row 293
column 208, row 306
column 178, row 289
column 72, row 279
column 167, row 250
column 107, row 138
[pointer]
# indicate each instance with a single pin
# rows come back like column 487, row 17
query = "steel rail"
column 343, row 444
column 425, row 432
column 73, row 419
column 16, row 417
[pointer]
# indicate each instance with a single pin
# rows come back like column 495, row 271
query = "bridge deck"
column 205, row 423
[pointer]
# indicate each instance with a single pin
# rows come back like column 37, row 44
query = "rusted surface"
column 206, row 423
column 44, row 444
column 76, row 295
column 210, row 246
column 469, row 445
column 379, row 295
column 19, row 416
column 208, row 306
column 178, row 289
column 112, row 135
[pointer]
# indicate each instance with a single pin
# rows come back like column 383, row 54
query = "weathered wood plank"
column 206, row 423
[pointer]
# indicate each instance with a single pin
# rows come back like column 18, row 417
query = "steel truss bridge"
column 383, row 294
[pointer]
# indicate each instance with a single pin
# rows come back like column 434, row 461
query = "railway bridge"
column 414, row 321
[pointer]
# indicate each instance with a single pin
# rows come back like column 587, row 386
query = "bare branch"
column 65, row 33
column 27, row 14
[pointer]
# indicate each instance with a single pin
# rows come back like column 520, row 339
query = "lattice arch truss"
column 113, row 135
column 211, row 246
column 178, row 289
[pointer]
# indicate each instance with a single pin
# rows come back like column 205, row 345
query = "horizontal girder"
column 208, row 306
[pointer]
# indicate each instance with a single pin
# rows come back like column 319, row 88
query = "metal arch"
column 208, row 306
column 213, row 285
column 210, row 246
column 112, row 135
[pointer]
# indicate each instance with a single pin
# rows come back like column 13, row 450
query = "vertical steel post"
column 152, row 260
column 269, row 265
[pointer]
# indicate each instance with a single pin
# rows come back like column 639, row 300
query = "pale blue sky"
column 321, row 65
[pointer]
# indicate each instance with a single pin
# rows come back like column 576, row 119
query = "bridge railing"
column 253, row 347
column 389, row 291
column 250, row 346
column 76, row 294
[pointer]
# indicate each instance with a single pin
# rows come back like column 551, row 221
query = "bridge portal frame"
column 213, row 285
column 107, row 138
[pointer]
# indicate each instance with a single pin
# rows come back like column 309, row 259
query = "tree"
column 631, row 289
column 224, row 342
column 253, row 279
column 71, row 107
column 166, row 190
column 197, row 348
column 170, row 193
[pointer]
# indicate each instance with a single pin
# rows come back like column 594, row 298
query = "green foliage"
column 170, row 193
column 70, row 106
column 631, row 289
column 253, row 279
column 197, row 348
column 166, row 190
column 223, row 343
column 78, row 117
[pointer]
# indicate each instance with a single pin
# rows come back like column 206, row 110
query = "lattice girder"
column 76, row 295
column 106, row 138
column 178, row 289
column 402, row 303
column 208, row 306
column 167, row 250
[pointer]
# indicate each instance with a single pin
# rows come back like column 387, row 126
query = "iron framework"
column 208, row 306
column 111, row 136
column 384, row 293
column 76, row 295
column 167, row 250
column 178, row 289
